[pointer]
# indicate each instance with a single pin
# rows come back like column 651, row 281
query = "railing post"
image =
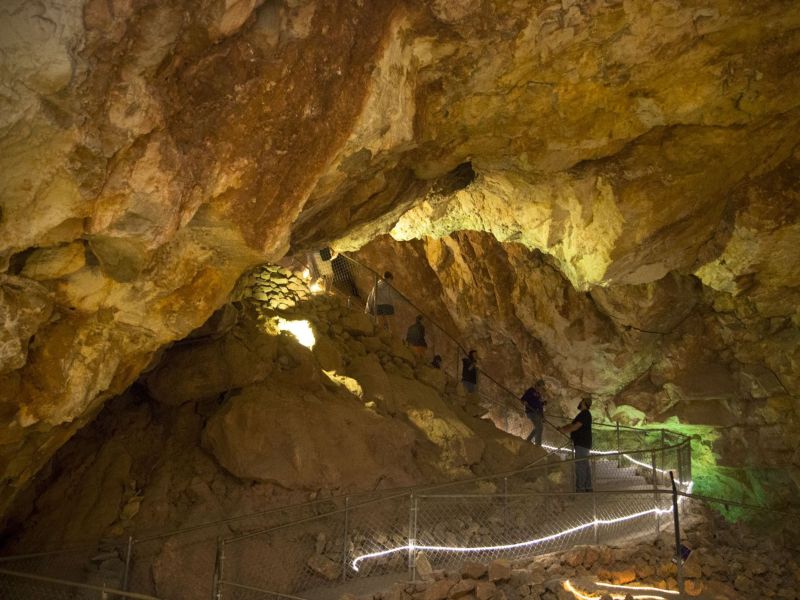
column 655, row 495
column 216, row 591
column 412, row 537
column 619, row 448
column 375, row 301
column 663, row 451
column 344, row 537
column 126, row 573
column 677, row 523
column 594, row 513
column 505, row 503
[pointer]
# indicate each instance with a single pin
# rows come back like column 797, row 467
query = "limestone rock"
column 183, row 144
column 24, row 307
column 327, row 354
column 423, row 567
column 55, row 262
column 438, row 590
column 195, row 372
column 357, row 323
column 485, row 590
column 325, row 567
column 461, row 588
column 499, row 570
column 473, row 570
column 268, row 433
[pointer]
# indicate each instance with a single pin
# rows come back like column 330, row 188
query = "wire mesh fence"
column 26, row 586
column 158, row 561
column 514, row 515
column 101, row 564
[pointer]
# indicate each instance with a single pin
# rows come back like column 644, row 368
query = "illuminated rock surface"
column 619, row 179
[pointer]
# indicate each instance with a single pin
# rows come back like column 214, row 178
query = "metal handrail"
column 75, row 584
column 250, row 588
column 417, row 489
column 756, row 507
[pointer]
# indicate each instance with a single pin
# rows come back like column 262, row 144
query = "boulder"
column 24, row 306
column 438, row 590
column 485, row 590
column 473, row 570
column 328, row 354
column 358, row 323
column 324, row 567
column 500, row 570
column 55, row 262
column 275, row 432
column 462, row 588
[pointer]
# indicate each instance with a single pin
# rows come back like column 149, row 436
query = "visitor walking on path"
column 469, row 372
column 534, row 409
column 324, row 258
column 415, row 338
column 381, row 300
column 580, row 430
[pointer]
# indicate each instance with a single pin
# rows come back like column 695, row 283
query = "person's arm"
column 574, row 426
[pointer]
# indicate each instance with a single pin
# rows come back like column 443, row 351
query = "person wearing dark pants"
column 580, row 430
column 469, row 372
column 534, row 410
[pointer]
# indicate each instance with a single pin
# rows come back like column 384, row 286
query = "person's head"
column 387, row 275
column 539, row 385
column 473, row 354
column 437, row 360
column 585, row 403
column 419, row 318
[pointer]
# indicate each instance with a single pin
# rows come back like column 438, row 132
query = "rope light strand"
column 465, row 549
column 528, row 543
column 612, row 452
column 582, row 595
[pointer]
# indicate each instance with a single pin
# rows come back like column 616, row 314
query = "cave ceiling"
column 150, row 152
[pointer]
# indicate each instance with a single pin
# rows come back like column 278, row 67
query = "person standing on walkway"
column 534, row 409
column 415, row 338
column 469, row 372
column 325, row 257
column 381, row 300
column 580, row 430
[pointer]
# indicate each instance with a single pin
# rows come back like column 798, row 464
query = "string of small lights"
column 629, row 592
column 528, row 543
column 627, row 457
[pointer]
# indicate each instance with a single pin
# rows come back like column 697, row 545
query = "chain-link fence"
column 100, row 564
column 514, row 515
column 28, row 586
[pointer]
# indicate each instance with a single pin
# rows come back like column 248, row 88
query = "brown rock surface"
column 181, row 143
column 265, row 433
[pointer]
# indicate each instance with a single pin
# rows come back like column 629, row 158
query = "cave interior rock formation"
column 603, row 193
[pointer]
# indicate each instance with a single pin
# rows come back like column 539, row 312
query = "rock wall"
column 246, row 418
column 151, row 152
column 647, row 353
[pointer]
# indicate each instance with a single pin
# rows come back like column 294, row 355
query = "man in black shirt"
column 534, row 410
column 415, row 337
column 469, row 372
column 580, row 430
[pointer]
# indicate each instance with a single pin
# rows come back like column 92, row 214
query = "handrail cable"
column 416, row 489
column 85, row 586
column 443, row 330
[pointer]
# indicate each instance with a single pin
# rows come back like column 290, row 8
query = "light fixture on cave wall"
column 316, row 286
column 300, row 329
